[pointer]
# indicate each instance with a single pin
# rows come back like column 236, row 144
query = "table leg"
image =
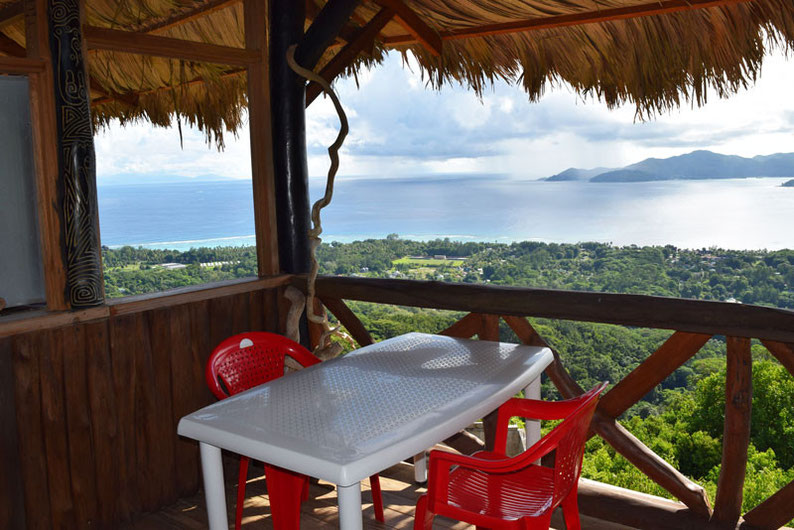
column 350, row 507
column 420, row 467
column 532, row 428
column 212, row 470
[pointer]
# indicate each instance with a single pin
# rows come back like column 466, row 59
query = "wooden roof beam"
column 577, row 19
column 365, row 38
column 141, row 43
column 185, row 16
column 414, row 24
column 323, row 31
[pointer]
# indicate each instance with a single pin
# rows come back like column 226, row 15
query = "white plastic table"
column 348, row 418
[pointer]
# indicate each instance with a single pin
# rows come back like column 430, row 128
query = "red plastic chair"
column 251, row 359
column 491, row 490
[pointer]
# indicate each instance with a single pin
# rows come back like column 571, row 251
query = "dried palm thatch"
column 656, row 62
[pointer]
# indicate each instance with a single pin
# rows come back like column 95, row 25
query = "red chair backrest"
column 572, row 435
column 250, row 359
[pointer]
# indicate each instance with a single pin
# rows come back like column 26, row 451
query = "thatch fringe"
column 656, row 63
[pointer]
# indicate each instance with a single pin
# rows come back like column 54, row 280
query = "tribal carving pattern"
column 77, row 164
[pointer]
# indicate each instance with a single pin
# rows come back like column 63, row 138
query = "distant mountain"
column 697, row 165
column 788, row 184
column 577, row 174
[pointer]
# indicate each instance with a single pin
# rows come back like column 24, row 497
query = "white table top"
column 345, row 419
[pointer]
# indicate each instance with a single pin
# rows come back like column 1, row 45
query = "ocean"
column 732, row 213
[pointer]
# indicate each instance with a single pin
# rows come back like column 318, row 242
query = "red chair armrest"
column 539, row 410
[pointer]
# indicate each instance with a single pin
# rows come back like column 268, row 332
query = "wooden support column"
column 77, row 192
column 736, row 434
column 259, row 124
column 287, row 89
column 288, row 120
column 45, row 153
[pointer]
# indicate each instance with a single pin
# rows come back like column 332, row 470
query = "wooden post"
column 262, row 176
column 76, row 160
column 736, row 434
column 288, row 118
column 45, row 152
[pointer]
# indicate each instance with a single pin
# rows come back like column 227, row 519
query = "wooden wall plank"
column 79, row 425
column 56, row 448
column 256, row 311
column 220, row 325
column 27, row 390
column 146, row 418
column 162, row 453
column 12, row 507
column 736, row 433
column 187, row 395
column 109, row 456
column 123, row 348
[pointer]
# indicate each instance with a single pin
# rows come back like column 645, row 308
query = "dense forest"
column 681, row 419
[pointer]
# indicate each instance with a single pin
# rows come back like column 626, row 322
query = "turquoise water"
column 737, row 214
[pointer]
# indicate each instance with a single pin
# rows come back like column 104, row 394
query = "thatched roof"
column 653, row 62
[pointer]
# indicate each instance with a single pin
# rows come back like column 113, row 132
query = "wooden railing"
column 694, row 323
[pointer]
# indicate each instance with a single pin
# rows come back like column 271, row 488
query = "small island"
column 788, row 184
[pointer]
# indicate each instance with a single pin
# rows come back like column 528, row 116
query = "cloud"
column 399, row 127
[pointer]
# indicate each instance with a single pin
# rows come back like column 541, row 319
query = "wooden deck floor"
column 320, row 512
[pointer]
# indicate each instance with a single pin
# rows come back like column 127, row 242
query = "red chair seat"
column 511, row 496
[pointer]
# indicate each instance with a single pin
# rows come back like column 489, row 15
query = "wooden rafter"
column 363, row 40
column 414, row 24
column 130, row 42
column 590, row 17
column 184, row 16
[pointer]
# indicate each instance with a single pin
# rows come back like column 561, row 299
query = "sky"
column 400, row 127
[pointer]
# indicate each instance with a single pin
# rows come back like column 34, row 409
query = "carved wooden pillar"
column 77, row 192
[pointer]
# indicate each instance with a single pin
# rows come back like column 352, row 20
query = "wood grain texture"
column 107, row 444
column 676, row 350
column 12, row 507
column 736, row 433
column 124, row 341
column 261, row 137
column 27, row 390
column 56, row 450
column 45, row 154
column 82, row 464
column 349, row 320
column 694, row 316
column 163, row 453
